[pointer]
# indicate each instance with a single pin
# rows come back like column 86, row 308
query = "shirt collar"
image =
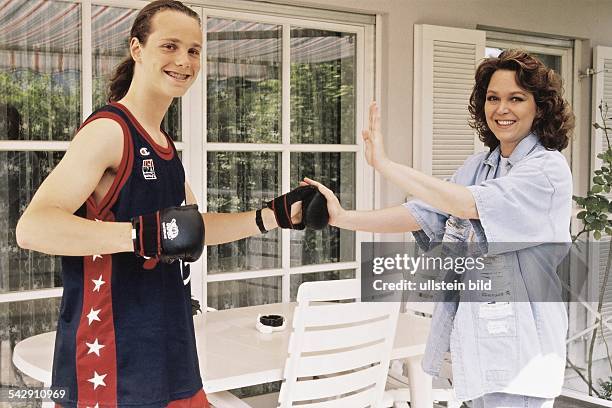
column 521, row 150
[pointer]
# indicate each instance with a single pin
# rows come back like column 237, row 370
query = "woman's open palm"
column 373, row 139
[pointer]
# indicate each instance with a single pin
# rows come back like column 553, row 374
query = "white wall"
column 587, row 20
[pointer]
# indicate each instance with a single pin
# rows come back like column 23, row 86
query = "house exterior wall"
column 589, row 21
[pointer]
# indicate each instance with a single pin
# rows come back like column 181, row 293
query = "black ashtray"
column 272, row 320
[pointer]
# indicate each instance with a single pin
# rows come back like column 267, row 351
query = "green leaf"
column 597, row 188
column 597, row 235
column 581, row 215
column 599, row 180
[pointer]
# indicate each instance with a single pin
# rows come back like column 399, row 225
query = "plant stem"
column 599, row 305
column 606, row 343
column 577, row 370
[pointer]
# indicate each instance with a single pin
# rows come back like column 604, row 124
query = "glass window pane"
column 19, row 320
column 244, row 81
column 298, row 279
column 243, row 181
column 20, row 176
column 246, row 292
column 336, row 171
column 323, row 77
column 110, row 34
column 40, row 70
column 551, row 61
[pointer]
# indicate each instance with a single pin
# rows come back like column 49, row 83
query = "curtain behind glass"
column 244, row 82
column 331, row 244
column 323, row 77
column 40, row 70
column 243, row 181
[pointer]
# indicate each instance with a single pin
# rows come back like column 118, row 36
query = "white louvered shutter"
column 445, row 60
column 602, row 92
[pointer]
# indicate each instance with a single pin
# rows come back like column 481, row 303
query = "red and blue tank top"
column 125, row 335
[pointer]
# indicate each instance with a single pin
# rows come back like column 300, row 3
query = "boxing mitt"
column 170, row 234
column 314, row 208
column 314, row 211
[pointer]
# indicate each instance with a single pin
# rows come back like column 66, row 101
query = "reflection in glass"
column 323, row 77
column 244, row 81
column 247, row 292
column 331, row 244
column 19, row 320
column 110, row 34
column 243, row 181
column 298, row 279
column 40, row 70
column 20, row 176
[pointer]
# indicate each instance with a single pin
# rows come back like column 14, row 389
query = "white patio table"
column 234, row 354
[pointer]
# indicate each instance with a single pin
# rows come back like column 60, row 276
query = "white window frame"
column 193, row 147
column 364, row 175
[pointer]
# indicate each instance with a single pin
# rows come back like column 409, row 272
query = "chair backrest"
column 338, row 352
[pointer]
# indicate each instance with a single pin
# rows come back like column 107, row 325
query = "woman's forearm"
column 451, row 198
column 387, row 220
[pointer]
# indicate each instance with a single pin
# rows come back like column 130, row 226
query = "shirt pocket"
column 496, row 319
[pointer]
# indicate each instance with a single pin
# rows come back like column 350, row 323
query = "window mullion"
column 33, row 145
column 286, row 155
column 86, row 61
column 25, row 295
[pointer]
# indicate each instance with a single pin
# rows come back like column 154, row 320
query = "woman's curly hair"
column 554, row 121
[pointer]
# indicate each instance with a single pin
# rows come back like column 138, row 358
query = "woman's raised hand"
column 373, row 139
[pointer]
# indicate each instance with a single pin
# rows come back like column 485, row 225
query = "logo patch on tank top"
column 144, row 151
column 148, row 169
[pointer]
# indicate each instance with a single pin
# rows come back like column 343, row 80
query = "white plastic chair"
column 338, row 352
column 398, row 384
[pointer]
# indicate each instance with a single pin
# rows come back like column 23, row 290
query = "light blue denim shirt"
column 511, row 347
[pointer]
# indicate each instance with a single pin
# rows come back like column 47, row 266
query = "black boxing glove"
column 314, row 208
column 314, row 211
column 170, row 234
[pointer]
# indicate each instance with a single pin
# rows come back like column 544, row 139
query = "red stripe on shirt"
column 123, row 170
column 88, row 363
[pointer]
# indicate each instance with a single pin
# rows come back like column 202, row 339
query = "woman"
column 509, row 354
column 111, row 207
